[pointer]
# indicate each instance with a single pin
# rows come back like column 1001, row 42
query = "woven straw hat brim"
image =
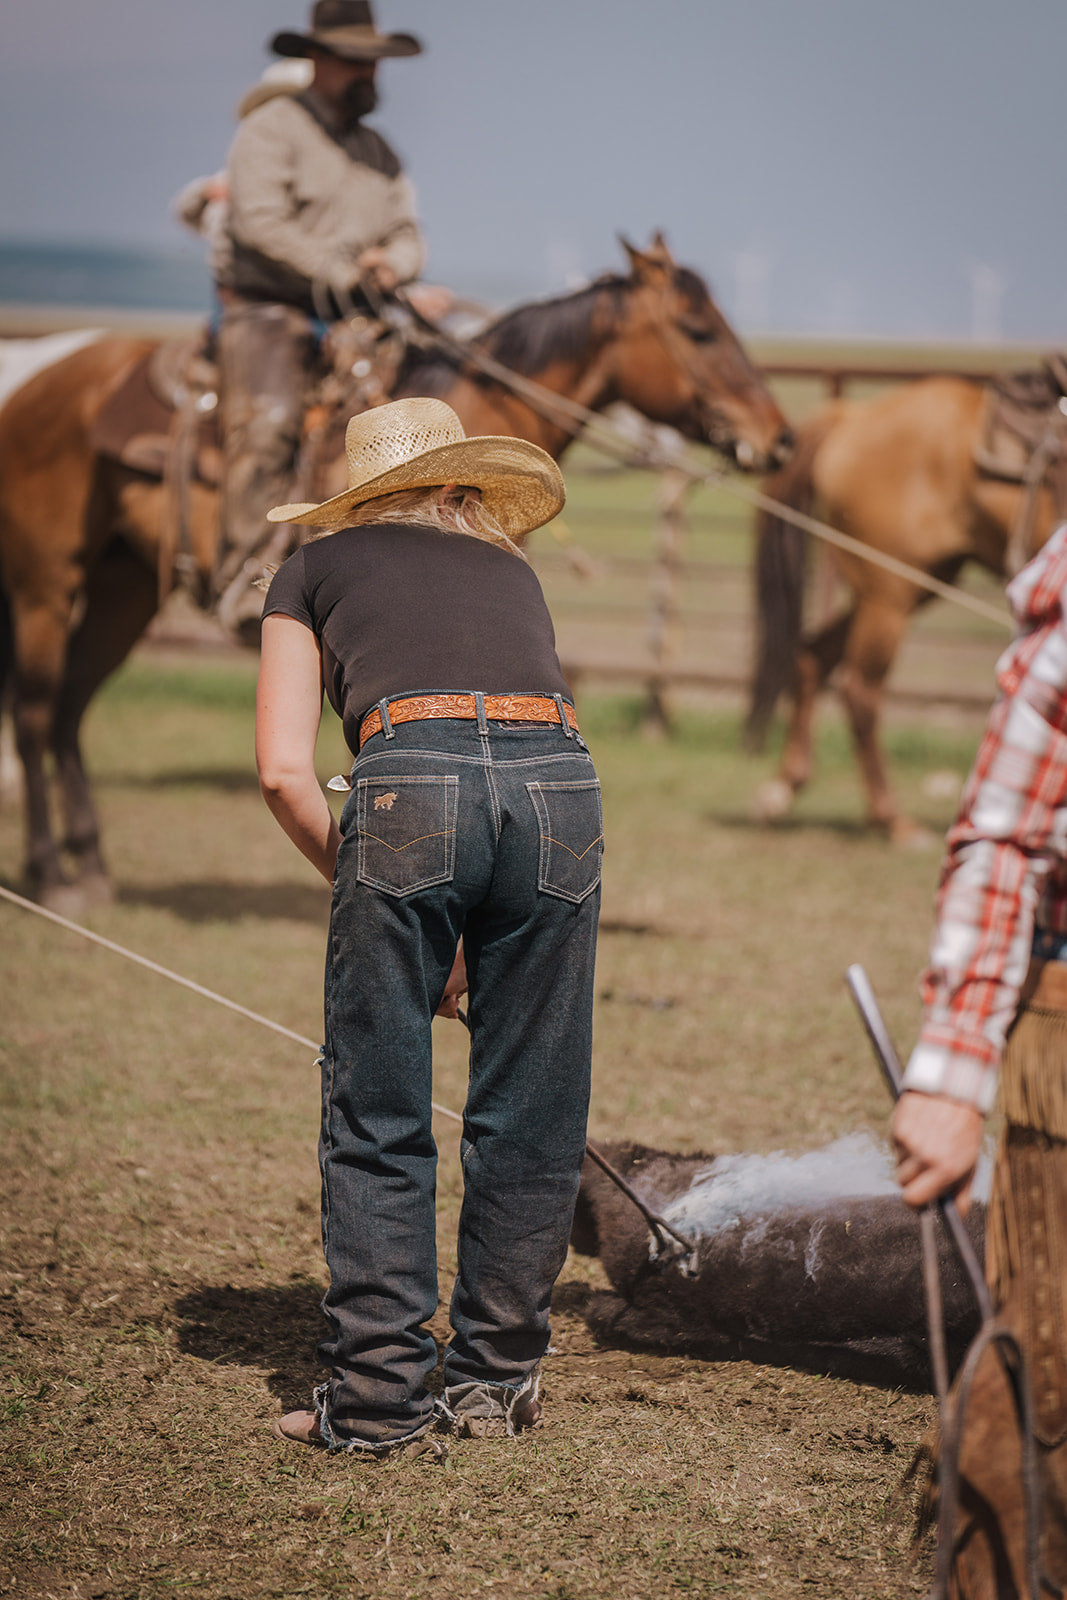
column 521, row 485
column 354, row 44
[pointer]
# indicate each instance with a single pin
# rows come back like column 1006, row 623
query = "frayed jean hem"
column 479, row 1408
column 365, row 1447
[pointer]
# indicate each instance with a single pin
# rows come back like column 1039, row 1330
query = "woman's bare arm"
column 288, row 710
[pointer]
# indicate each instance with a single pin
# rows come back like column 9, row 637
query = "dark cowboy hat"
column 345, row 28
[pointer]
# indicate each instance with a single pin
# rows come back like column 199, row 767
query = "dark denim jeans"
column 495, row 835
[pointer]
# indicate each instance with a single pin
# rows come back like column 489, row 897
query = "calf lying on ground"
column 810, row 1261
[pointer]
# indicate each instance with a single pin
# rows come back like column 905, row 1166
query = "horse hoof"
column 95, row 889
column 65, row 899
column 12, row 786
column 771, row 801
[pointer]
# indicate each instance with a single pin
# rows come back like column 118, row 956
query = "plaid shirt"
column 1004, row 878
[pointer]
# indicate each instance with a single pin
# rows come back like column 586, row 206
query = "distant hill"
column 101, row 275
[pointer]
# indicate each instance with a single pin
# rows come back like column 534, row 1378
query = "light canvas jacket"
column 307, row 197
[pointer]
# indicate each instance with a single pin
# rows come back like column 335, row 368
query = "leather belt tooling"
column 498, row 708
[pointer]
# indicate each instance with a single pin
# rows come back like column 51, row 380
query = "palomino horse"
column 897, row 473
column 80, row 535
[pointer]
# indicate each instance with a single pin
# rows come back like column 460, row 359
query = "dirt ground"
column 159, row 1260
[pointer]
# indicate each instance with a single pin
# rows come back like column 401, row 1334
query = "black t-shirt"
column 400, row 609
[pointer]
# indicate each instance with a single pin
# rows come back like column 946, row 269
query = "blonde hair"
column 459, row 512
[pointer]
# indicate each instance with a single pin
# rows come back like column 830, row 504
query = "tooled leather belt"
column 498, row 708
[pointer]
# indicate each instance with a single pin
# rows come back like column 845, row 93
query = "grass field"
column 159, row 1261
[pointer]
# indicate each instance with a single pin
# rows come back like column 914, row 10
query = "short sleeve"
column 287, row 595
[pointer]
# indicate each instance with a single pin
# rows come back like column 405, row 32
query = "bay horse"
column 898, row 473
column 81, row 535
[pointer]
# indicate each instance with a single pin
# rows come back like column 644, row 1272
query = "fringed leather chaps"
column 1026, row 1265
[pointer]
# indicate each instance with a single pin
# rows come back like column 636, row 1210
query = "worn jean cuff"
column 472, row 1405
column 365, row 1446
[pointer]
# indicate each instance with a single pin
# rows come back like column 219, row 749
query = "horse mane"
column 533, row 336
column 691, row 286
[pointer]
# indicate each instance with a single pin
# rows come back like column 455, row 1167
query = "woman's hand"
column 937, row 1141
column 456, row 985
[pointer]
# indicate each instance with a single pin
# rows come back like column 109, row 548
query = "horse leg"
column 40, row 633
column 870, row 650
column 121, row 597
column 816, row 660
column 10, row 770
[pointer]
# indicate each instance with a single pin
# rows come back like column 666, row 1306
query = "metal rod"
column 862, row 993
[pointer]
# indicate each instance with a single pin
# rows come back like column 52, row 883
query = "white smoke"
column 737, row 1189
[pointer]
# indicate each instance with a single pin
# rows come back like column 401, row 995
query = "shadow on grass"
column 633, row 925
column 220, row 901
column 844, row 827
column 229, row 780
column 572, row 1299
column 276, row 1328
column 882, row 1363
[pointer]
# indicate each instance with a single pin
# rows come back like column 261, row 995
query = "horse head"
column 681, row 363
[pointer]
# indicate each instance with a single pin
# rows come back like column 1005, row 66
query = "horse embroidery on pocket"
column 407, row 831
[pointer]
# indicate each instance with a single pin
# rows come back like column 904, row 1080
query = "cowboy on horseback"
column 321, row 223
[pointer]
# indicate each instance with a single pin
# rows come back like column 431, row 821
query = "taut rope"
column 670, row 1244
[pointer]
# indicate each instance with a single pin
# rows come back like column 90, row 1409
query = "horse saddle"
column 165, row 407
column 163, row 418
column 1023, row 440
column 1025, row 416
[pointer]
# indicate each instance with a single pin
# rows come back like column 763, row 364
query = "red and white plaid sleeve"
column 1011, row 831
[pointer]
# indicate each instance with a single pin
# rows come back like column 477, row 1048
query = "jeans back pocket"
column 572, row 837
column 407, row 832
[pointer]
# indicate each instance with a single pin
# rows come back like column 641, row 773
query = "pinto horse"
column 81, row 535
column 897, row 473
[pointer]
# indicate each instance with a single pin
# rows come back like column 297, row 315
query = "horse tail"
column 780, row 570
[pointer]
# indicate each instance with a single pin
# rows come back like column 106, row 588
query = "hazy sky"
column 856, row 166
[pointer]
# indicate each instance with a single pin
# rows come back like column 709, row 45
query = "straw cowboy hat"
column 281, row 77
column 420, row 444
column 345, row 28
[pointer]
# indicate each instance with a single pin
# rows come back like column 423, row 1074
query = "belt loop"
column 568, row 730
column 387, row 725
column 479, row 709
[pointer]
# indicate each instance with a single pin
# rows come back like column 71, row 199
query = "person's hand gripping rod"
column 862, row 993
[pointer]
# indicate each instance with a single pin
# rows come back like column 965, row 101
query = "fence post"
column 663, row 630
